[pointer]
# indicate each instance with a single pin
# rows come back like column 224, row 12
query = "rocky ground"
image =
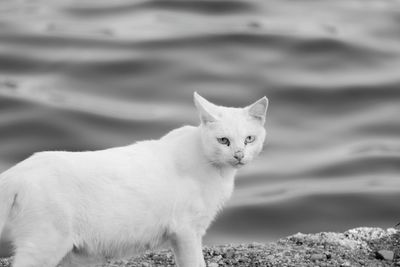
column 372, row 247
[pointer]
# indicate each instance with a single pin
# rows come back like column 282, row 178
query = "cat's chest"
column 215, row 194
column 205, row 200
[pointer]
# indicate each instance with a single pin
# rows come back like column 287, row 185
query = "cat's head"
column 231, row 136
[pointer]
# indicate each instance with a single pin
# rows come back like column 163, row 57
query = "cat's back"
column 149, row 157
column 179, row 133
column 47, row 166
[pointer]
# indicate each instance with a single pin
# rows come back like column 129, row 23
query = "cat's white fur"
column 81, row 208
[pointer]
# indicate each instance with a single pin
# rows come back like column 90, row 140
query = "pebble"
column 158, row 258
column 229, row 253
column 385, row 255
column 213, row 264
column 317, row 257
column 217, row 258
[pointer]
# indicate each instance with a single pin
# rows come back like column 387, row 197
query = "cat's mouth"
column 238, row 164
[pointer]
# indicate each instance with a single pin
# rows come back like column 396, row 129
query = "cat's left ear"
column 258, row 109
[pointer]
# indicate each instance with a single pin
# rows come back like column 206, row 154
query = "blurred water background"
column 86, row 75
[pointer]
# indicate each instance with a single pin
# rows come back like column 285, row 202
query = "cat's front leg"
column 187, row 249
column 200, row 253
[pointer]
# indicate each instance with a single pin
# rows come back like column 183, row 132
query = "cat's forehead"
column 226, row 113
column 236, row 121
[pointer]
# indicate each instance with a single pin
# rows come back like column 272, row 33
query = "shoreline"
column 364, row 246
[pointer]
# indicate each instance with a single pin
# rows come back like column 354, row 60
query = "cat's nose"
column 239, row 155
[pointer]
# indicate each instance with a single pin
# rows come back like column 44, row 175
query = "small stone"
column 270, row 258
column 157, row 258
column 385, row 255
column 299, row 243
column 286, row 253
column 229, row 254
column 213, row 264
column 217, row 258
column 317, row 257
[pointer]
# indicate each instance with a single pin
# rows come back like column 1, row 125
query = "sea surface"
column 85, row 75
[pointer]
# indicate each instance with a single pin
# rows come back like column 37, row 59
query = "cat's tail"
column 7, row 198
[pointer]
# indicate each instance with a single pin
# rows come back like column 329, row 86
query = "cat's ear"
column 204, row 107
column 258, row 109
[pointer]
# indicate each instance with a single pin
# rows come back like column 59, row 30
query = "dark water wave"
column 333, row 213
column 295, row 44
column 200, row 7
column 89, row 75
column 359, row 166
column 351, row 95
column 46, row 40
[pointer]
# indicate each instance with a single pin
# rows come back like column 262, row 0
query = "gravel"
column 369, row 247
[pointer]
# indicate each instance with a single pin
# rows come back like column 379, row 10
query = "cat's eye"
column 249, row 139
column 224, row 141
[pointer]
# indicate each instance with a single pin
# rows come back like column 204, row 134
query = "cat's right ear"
column 204, row 108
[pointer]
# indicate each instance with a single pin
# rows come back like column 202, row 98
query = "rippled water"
column 79, row 75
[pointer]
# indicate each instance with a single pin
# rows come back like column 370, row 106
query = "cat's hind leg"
column 44, row 249
column 33, row 255
column 77, row 259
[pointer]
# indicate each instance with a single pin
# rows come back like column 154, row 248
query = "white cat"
column 81, row 208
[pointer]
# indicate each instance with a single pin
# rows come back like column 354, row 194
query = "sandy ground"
column 372, row 247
